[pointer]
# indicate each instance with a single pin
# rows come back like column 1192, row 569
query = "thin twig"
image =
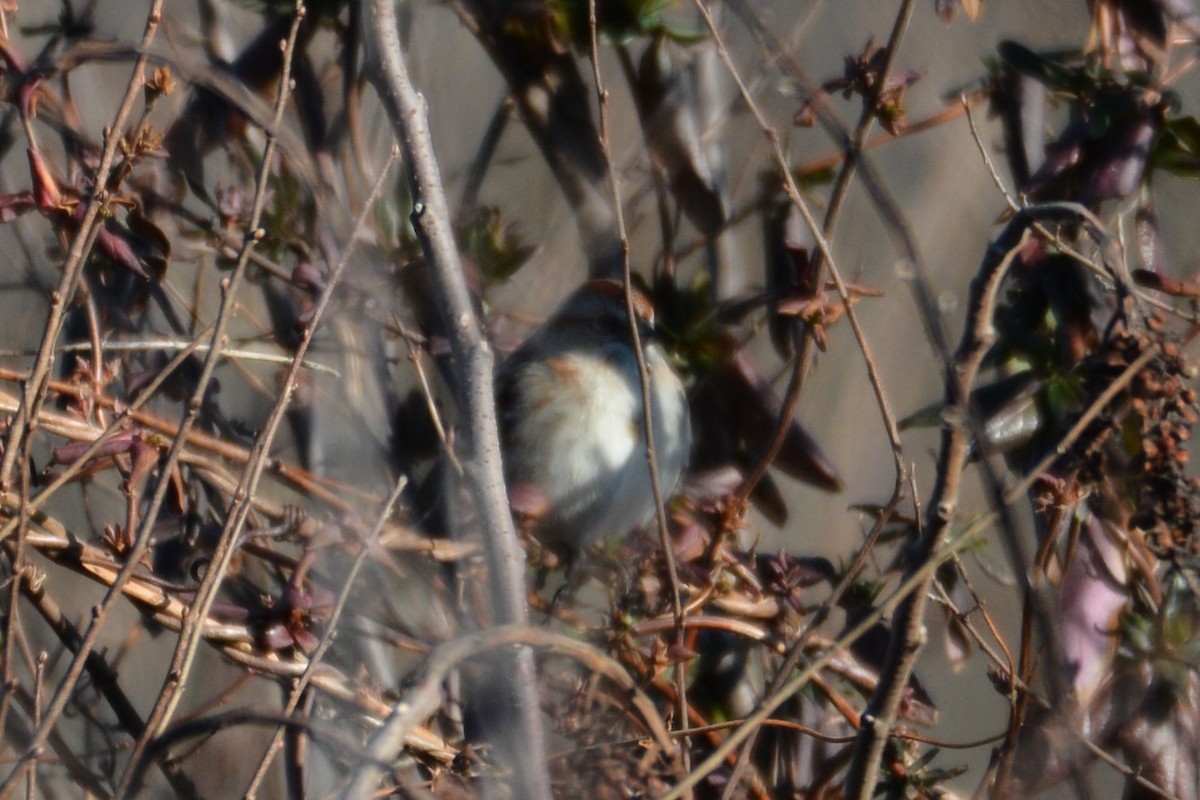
column 35, row 389
column 191, row 632
column 771, row 703
column 664, row 535
column 820, row 236
column 331, row 624
column 816, row 166
column 908, row 629
column 199, row 347
column 889, row 211
column 987, row 159
column 425, row 695
column 339, row 495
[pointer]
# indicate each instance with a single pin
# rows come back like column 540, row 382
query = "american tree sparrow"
column 571, row 420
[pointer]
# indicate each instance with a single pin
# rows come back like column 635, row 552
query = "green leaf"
column 494, row 246
column 1177, row 149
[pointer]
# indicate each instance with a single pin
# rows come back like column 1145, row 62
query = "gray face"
column 599, row 306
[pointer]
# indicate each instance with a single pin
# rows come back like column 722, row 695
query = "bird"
column 571, row 415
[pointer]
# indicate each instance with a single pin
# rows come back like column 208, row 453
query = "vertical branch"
column 824, row 251
column 908, row 628
column 473, row 364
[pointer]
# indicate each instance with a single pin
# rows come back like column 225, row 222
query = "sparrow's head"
column 601, row 303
